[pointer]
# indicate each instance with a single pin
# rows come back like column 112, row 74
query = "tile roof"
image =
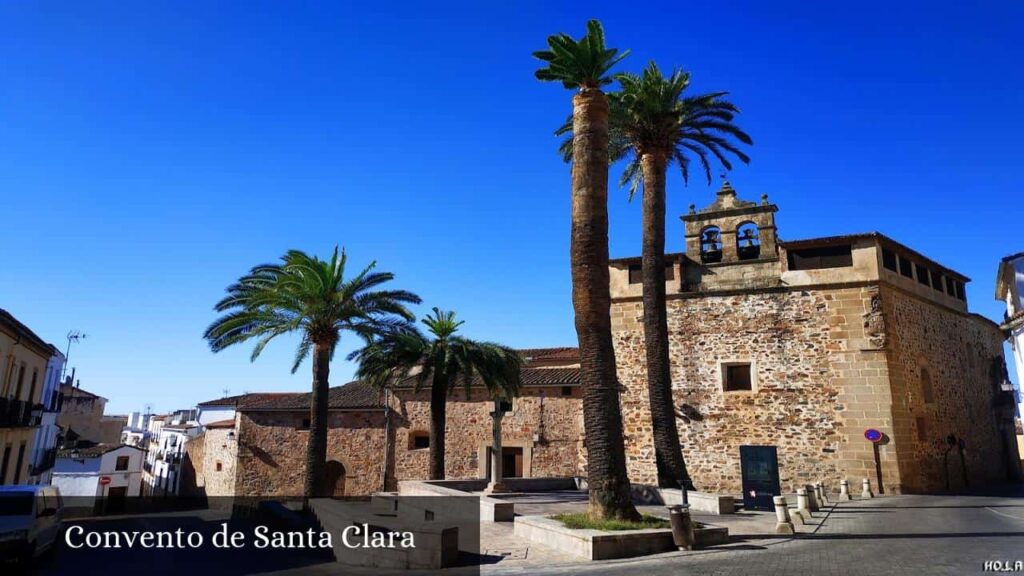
column 545, row 354
column 229, row 423
column 355, row 394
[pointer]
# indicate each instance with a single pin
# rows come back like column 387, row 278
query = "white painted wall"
column 208, row 414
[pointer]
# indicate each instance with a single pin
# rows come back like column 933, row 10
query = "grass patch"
column 582, row 521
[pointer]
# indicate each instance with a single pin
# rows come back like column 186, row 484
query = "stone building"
column 801, row 346
column 82, row 419
column 376, row 439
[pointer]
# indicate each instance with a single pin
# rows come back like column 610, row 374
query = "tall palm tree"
column 654, row 124
column 312, row 297
column 585, row 65
column 444, row 359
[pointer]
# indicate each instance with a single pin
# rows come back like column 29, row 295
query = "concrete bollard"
column 866, row 491
column 844, row 490
column 803, row 503
column 783, row 523
column 812, row 500
column 682, row 526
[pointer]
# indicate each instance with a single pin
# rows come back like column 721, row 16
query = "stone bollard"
column 866, row 491
column 812, row 500
column 844, row 490
column 819, row 491
column 682, row 526
column 803, row 503
column 783, row 523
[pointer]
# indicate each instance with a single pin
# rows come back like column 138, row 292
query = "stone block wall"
column 272, row 451
column 945, row 368
column 556, row 419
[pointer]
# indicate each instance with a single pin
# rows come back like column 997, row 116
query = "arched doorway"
column 335, row 479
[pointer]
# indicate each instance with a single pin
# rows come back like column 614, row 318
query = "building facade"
column 799, row 348
column 24, row 362
column 44, row 450
column 109, row 471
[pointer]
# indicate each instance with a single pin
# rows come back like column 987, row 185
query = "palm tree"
column 585, row 65
column 654, row 124
column 445, row 360
column 312, row 297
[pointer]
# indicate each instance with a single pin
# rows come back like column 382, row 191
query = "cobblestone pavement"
column 889, row 535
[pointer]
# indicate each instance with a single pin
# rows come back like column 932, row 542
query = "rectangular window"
column 20, row 462
column 889, row 259
column 636, row 273
column 960, row 291
column 566, row 390
column 922, row 429
column 122, row 464
column 950, row 287
column 906, row 269
column 922, row 275
column 736, row 377
column 420, row 440
column 938, row 281
column 823, row 257
column 304, row 424
column 220, row 467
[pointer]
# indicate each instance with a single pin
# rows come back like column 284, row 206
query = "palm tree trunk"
column 667, row 450
column 316, row 448
column 438, row 401
column 602, row 416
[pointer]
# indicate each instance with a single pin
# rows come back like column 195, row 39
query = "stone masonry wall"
column 955, row 352
column 810, row 372
column 272, row 451
column 557, row 419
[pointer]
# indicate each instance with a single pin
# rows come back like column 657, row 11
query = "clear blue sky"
column 150, row 155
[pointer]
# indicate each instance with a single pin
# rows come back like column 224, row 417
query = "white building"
column 44, row 447
column 1010, row 289
column 103, row 470
column 167, row 452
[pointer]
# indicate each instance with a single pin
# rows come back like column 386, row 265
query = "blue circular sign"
column 872, row 435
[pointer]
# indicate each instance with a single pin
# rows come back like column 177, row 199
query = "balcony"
column 15, row 413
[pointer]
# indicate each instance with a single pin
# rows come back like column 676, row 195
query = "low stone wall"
column 705, row 502
column 491, row 509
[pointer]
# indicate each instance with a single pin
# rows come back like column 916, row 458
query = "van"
column 30, row 521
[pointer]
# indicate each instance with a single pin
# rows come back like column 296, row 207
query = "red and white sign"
column 104, row 480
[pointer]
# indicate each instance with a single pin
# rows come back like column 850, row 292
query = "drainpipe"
column 388, row 441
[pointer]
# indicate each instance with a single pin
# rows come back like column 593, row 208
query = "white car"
column 30, row 520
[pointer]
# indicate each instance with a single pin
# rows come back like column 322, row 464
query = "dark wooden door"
column 335, row 479
column 760, row 469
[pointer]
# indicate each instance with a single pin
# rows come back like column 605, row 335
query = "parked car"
column 30, row 520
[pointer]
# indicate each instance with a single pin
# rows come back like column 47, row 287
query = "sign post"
column 876, row 437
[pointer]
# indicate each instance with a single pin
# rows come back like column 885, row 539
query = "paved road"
column 932, row 535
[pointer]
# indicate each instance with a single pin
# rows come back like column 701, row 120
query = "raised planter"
column 601, row 545
column 705, row 502
column 491, row 509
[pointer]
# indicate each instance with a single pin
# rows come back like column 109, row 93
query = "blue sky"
column 150, row 155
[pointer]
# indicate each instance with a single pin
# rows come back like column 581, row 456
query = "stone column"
column 803, row 503
column 783, row 523
column 844, row 490
column 496, row 485
column 819, row 490
column 812, row 499
column 866, row 489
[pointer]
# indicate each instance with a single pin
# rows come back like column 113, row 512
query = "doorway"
column 759, row 466
column 335, row 479
column 511, row 462
column 117, row 496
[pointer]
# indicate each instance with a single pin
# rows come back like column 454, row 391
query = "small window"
column 636, row 273
column 304, row 424
column 821, row 257
column 220, row 467
column 950, row 287
column 922, row 429
column 122, row 464
column 566, row 390
column 419, row 440
column 922, row 275
column 938, row 280
column 926, row 386
column 889, row 259
column 960, row 291
column 736, row 377
column 906, row 268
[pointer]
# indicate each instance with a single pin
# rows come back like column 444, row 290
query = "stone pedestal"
column 783, row 523
column 812, row 498
column 866, row 489
column 819, row 490
column 803, row 503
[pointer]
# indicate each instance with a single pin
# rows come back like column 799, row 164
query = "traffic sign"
column 873, row 435
column 104, row 480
